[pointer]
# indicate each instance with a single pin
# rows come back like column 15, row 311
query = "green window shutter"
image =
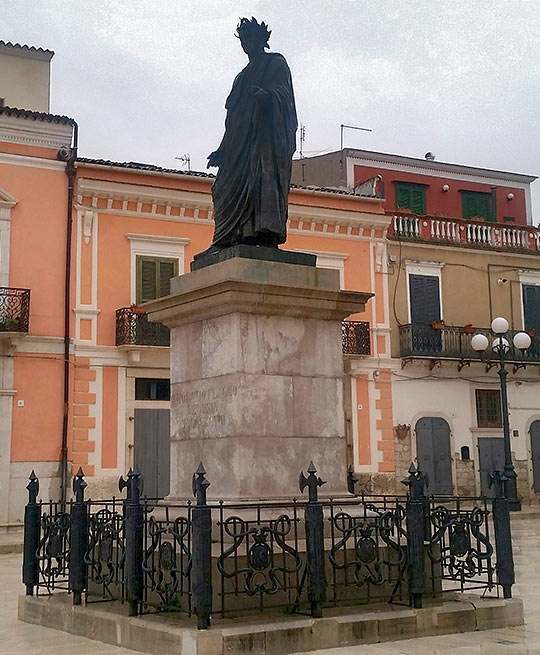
column 166, row 272
column 154, row 277
column 477, row 204
column 411, row 196
column 418, row 201
column 403, row 197
column 146, row 279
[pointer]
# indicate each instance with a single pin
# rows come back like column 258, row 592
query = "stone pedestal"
column 256, row 376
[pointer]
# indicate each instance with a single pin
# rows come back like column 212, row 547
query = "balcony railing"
column 452, row 342
column 355, row 337
column 454, row 231
column 134, row 329
column 14, row 309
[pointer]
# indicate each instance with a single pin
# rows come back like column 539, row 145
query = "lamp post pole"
column 501, row 346
column 514, row 504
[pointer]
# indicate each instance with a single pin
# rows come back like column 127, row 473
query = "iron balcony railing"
column 355, row 337
column 453, row 342
column 461, row 232
column 134, row 329
column 14, row 309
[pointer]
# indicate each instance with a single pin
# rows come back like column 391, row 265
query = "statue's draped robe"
column 251, row 188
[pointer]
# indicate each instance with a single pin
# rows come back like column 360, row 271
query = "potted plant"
column 469, row 328
column 438, row 324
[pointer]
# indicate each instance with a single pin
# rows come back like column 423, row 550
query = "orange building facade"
column 133, row 227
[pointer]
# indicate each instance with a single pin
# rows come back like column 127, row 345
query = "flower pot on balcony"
column 438, row 325
column 469, row 329
column 531, row 333
column 137, row 310
column 402, row 430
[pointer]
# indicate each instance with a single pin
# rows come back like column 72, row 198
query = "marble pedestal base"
column 256, row 376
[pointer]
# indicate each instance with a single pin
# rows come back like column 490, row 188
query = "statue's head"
column 253, row 35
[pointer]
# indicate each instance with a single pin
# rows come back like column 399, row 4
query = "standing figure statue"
column 255, row 156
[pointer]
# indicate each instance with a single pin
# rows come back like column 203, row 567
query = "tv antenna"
column 186, row 160
column 352, row 127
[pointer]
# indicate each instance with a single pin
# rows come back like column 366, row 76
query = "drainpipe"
column 71, row 173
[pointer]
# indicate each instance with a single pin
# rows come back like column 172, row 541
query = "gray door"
column 434, row 454
column 491, row 458
column 535, row 453
column 152, row 450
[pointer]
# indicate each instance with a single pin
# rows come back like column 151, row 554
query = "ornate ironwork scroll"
column 105, row 555
column 261, row 561
column 53, row 549
column 167, row 563
column 368, row 551
column 460, row 544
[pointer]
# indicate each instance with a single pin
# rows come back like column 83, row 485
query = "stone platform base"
column 269, row 634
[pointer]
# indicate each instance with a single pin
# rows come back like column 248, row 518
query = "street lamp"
column 500, row 347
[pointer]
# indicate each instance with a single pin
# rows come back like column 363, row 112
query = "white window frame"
column 150, row 245
column 332, row 260
column 529, row 278
column 432, row 269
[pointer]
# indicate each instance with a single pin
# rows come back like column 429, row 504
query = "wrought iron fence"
column 460, row 547
column 14, row 309
column 368, row 550
column 452, row 342
column 355, row 336
column 222, row 558
column 134, row 328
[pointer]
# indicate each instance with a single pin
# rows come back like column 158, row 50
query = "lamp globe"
column 522, row 341
column 500, row 342
column 479, row 342
column 499, row 325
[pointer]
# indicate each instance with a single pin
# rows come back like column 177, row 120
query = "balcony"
column 14, row 310
column 355, row 336
column 454, row 343
column 466, row 233
column 134, row 329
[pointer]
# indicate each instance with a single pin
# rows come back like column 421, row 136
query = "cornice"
column 35, row 133
column 305, row 219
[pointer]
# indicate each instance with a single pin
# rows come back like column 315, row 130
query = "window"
column 488, row 408
column 411, row 196
column 2, row 102
column 154, row 277
column 424, row 299
column 531, row 307
column 465, row 453
column 152, row 389
column 478, row 204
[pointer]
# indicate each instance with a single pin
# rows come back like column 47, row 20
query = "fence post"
column 314, row 541
column 32, row 526
column 134, row 538
column 352, row 479
column 415, row 516
column 503, row 536
column 201, row 526
column 78, row 539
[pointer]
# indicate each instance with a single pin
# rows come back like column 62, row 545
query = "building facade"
column 462, row 250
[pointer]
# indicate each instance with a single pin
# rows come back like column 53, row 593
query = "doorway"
column 534, row 431
column 152, row 450
column 433, row 452
column 491, row 459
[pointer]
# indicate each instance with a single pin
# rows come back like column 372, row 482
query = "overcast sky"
column 147, row 79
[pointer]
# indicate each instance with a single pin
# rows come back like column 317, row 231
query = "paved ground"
column 18, row 638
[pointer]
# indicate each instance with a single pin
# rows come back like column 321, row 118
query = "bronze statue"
column 254, row 158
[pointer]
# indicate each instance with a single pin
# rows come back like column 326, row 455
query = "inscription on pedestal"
column 203, row 409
